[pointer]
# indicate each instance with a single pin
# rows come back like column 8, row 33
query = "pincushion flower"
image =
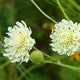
column 18, row 43
column 66, row 37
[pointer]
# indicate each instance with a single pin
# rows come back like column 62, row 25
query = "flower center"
column 22, row 41
column 19, row 41
column 67, row 37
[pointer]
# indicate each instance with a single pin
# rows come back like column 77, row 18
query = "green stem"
column 57, row 62
column 63, row 10
column 17, row 66
column 27, row 71
column 75, row 4
column 4, row 65
column 64, row 65
column 70, row 8
column 49, row 2
column 43, row 12
column 22, row 74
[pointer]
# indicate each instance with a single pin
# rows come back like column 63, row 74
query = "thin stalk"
column 27, row 71
column 57, row 62
column 21, row 76
column 17, row 66
column 4, row 65
column 75, row 4
column 70, row 8
column 63, row 10
column 43, row 12
column 49, row 2
column 64, row 65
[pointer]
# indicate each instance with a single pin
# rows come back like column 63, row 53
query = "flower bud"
column 36, row 57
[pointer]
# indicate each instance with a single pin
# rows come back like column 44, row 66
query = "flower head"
column 18, row 43
column 66, row 37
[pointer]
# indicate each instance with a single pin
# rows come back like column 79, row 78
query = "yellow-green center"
column 67, row 37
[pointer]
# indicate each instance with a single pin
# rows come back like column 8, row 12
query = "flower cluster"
column 18, row 43
column 65, row 40
column 66, row 37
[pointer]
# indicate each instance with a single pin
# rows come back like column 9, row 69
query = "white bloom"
column 18, row 43
column 66, row 37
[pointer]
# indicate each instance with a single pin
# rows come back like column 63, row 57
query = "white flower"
column 18, row 43
column 66, row 37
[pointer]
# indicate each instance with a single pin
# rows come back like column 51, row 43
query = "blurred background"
column 17, row 10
